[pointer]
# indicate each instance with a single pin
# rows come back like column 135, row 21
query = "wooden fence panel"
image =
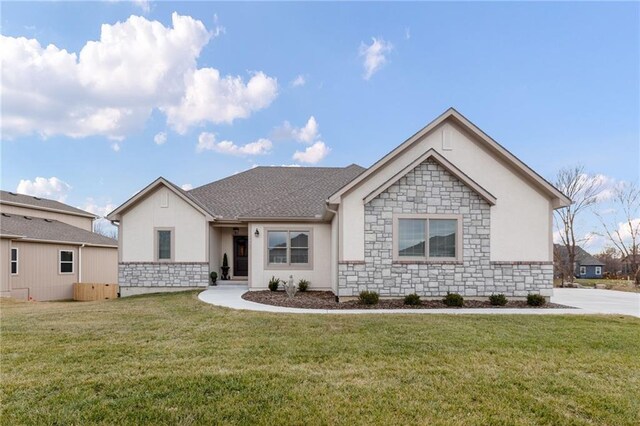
column 92, row 291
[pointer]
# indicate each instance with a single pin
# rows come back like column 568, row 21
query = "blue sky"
column 555, row 83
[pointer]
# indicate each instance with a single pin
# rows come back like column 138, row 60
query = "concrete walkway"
column 588, row 302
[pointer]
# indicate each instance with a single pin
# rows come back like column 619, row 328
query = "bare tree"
column 624, row 229
column 610, row 256
column 103, row 228
column 583, row 190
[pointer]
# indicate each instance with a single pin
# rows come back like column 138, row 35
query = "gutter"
column 80, row 263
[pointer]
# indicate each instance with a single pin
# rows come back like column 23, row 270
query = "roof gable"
column 560, row 200
column 432, row 154
column 140, row 195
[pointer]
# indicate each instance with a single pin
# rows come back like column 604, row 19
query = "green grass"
column 170, row 359
column 619, row 285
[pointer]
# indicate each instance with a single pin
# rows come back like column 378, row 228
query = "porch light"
column 257, row 233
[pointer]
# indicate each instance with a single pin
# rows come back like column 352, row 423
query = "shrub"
column 369, row 297
column 412, row 299
column 303, row 285
column 498, row 299
column 453, row 299
column 214, row 277
column 535, row 300
column 274, row 283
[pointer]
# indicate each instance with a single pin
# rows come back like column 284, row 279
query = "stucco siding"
column 138, row 224
column 430, row 189
column 99, row 265
column 521, row 213
column 85, row 223
column 320, row 272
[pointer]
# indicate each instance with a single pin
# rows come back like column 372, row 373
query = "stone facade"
column 431, row 189
column 156, row 275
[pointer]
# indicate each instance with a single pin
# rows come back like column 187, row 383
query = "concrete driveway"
column 587, row 302
column 599, row 301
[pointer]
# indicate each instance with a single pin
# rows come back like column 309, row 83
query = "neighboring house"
column 585, row 266
column 449, row 210
column 46, row 246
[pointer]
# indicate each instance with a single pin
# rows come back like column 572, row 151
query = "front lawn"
column 619, row 285
column 170, row 359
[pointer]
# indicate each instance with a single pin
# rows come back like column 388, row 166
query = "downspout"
column 80, row 263
column 335, row 212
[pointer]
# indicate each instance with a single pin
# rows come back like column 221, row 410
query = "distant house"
column 449, row 210
column 586, row 266
column 46, row 246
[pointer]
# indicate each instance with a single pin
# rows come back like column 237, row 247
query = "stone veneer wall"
column 163, row 274
column 430, row 189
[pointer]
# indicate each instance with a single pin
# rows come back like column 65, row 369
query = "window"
column 66, row 261
column 14, row 261
column 288, row 248
column 583, row 270
column 598, row 270
column 164, row 244
column 427, row 237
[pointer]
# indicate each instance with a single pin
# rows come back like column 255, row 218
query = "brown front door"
column 240, row 256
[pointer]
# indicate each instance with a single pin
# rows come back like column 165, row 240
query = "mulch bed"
column 327, row 300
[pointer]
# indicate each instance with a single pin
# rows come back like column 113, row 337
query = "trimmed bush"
column 369, row 297
column 303, row 285
column 535, row 300
column 412, row 299
column 274, row 283
column 214, row 277
column 498, row 299
column 453, row 299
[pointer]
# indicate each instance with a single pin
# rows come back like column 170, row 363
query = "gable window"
column 66, row 262
column 598, row 270
column 583, row 270
column 164, row 244
column 288, row 248
column 14, row 261
column 427, row 237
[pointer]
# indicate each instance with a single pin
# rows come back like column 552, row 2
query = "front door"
column 240, row 256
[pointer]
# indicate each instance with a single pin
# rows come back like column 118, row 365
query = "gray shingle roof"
column 43, row 203
column 270, row 192
column 49, row 230
column 582, row 256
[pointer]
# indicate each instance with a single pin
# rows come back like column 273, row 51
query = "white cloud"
column 299, row 81
column 187, row 187
column 219, row 29
column 374, row 56
column 113, row 84
column 407, row 33
column 209, row 97
column 101, row 225
column 142, row 4
column 52, row 188
column 115, row 146
column 306, row 134
column 207, row 142
column 312, row 154
column 160, row 138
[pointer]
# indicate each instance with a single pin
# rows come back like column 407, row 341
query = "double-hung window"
column 288, row 248
column 598, row 270
column 14, row 261
column 427, row 237
column 66, row 262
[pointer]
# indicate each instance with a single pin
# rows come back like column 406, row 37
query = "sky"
column 101, row 98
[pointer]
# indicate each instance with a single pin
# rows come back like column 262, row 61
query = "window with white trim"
column 598, row 270
column 425, row 237
column 583, row 270
column 14, row 261
column 66, row 262
column 288, row 248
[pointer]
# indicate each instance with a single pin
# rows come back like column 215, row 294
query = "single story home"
column 586, row 266
column 448, row 210
column 47, row 246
